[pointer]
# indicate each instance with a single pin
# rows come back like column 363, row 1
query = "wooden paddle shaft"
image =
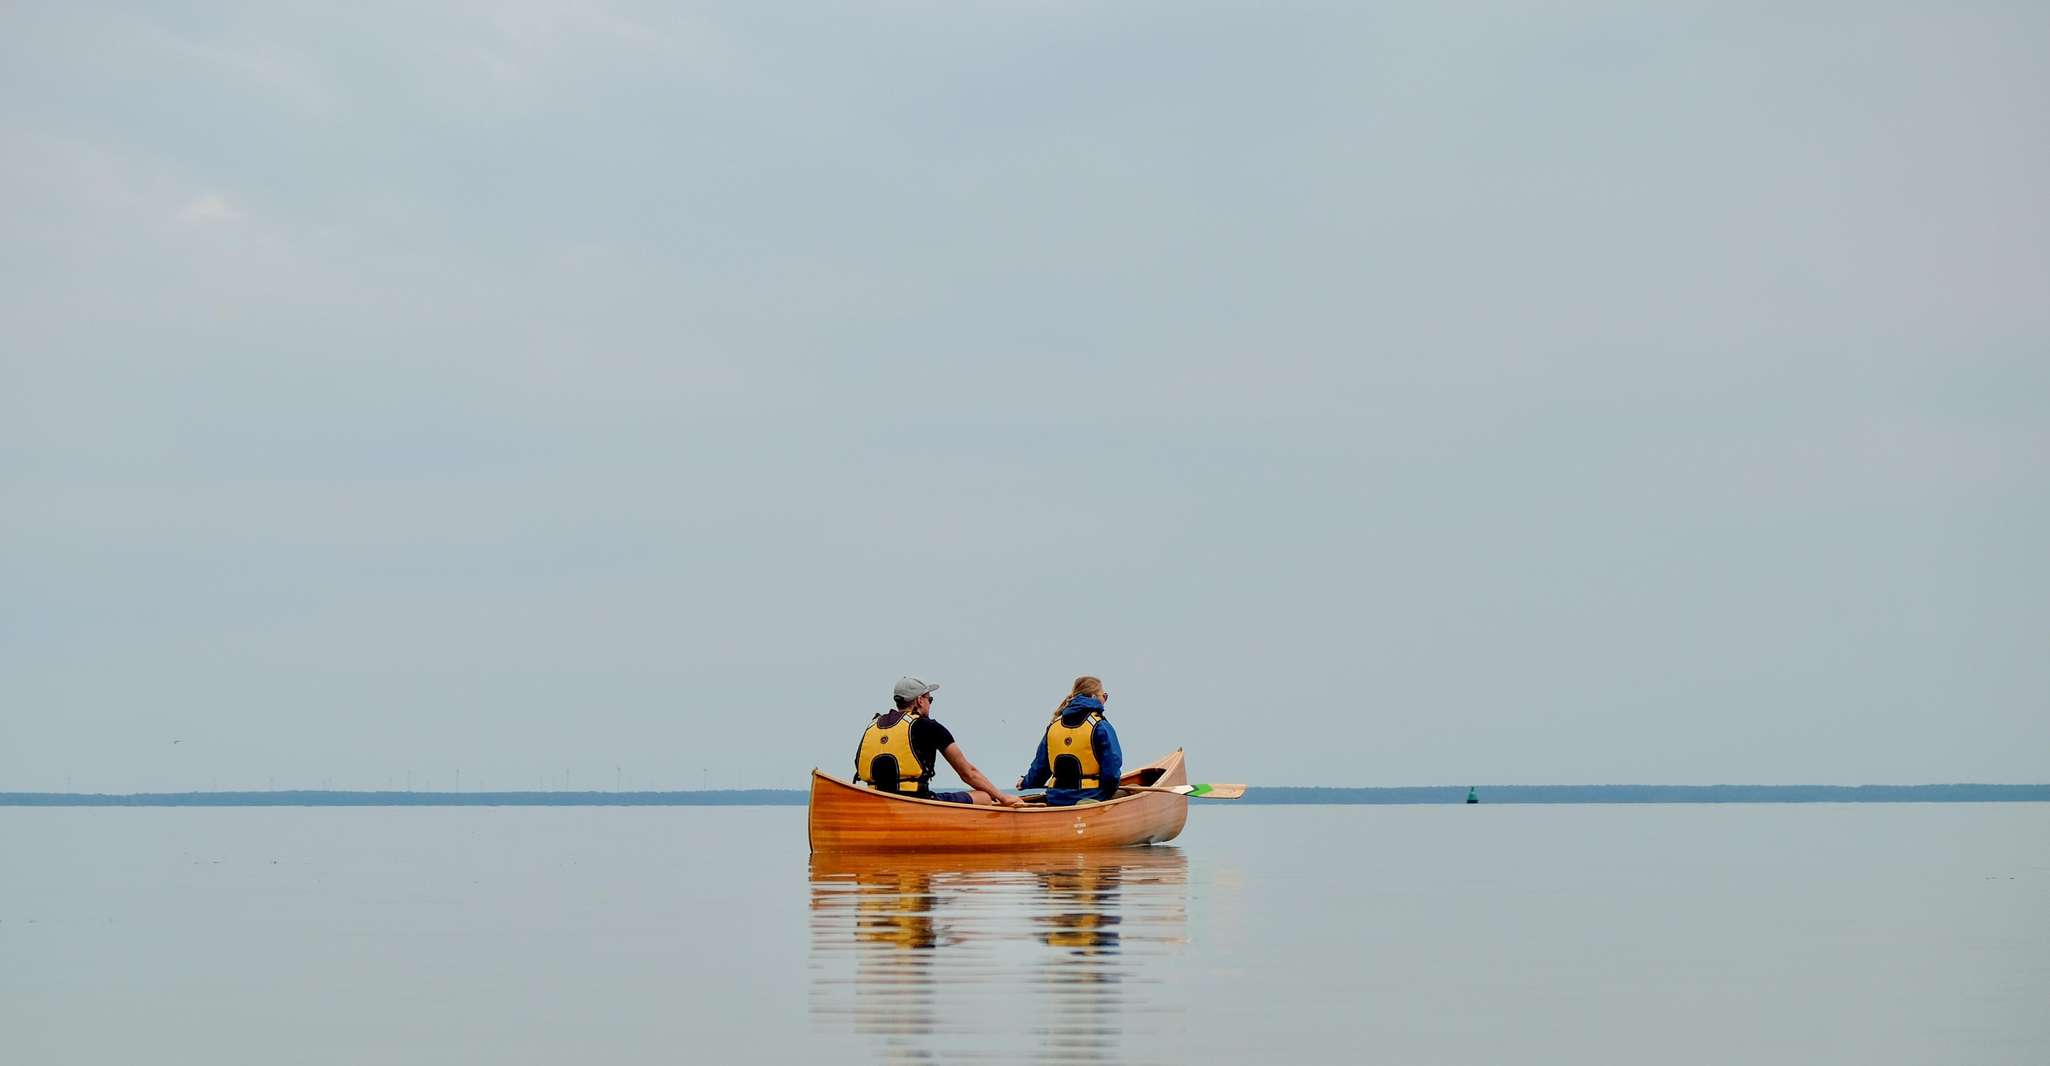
column 1218, row 792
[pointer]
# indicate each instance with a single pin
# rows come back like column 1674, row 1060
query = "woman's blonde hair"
column 1084, row 686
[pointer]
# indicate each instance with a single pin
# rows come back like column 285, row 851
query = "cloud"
column 283, row 75
column 209, row 209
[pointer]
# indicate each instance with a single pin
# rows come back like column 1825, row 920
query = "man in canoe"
column 901, row 748
column 1078, row 758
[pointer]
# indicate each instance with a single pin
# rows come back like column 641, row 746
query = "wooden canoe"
column 848, row 817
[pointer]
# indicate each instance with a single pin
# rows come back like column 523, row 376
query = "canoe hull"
column 848, row 817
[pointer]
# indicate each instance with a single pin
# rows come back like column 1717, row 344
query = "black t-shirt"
column 928, row 739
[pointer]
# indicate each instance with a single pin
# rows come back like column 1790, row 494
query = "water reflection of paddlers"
column 893, row 906
column 903, row 902
column 907, row 948
column 941, row 872
column 1087, row 923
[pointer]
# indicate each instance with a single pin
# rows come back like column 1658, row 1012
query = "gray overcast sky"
column 1370, row 394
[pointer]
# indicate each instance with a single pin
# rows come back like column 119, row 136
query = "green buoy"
column 1471, row 795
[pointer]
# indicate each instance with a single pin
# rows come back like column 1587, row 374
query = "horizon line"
column 790, row 788
column 1951, row 792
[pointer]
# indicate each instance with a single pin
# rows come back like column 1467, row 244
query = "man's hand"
column 1009, row 800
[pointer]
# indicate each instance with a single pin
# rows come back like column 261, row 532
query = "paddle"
column 1208, row 792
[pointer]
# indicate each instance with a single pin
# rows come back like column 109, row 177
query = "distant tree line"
column 741, row 797
column 1662, row 794
column 781, row 797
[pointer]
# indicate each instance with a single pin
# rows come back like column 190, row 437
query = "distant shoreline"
column 780, row 797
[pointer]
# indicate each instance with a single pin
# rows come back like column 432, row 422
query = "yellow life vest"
column 892, row 742
column 1077, row 743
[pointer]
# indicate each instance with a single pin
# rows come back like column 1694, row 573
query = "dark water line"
column 1279, row 795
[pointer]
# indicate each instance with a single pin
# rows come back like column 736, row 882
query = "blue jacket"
column 1110, row 759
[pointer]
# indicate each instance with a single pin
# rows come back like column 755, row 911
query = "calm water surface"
column 1855, row 933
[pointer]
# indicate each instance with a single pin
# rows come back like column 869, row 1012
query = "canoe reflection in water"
column 1013, row 957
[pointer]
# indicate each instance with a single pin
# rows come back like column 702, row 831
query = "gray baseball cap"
column 910, row 688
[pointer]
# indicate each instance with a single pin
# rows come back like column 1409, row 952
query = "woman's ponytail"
column 1084, row 686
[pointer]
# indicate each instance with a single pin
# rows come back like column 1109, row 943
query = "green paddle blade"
column 1216, row 792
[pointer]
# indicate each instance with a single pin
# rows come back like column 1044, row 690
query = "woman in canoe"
column 1078, row 758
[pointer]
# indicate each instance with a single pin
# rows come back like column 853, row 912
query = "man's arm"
column 974, row 778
